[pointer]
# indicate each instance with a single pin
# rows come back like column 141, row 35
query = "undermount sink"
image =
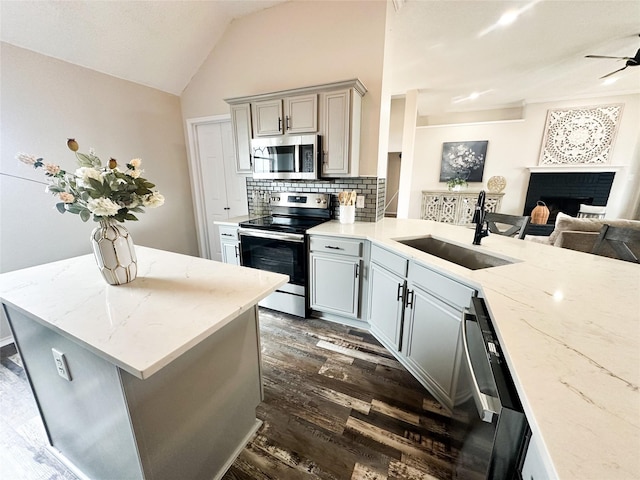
column 465, row 257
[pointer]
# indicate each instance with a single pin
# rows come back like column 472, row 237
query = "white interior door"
column 219, row 192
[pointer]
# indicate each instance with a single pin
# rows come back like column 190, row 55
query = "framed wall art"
column 464, row 160
column 580, row 136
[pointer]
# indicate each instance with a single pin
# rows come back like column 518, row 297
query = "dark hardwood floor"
column 337, row 406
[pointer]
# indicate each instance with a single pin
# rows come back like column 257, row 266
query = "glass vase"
column 114, row 252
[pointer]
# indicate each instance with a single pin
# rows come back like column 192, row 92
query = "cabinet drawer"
column 391, row 261
column 228, row 232
column 442, row 287
column 336, row 246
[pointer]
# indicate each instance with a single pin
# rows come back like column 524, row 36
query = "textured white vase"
column 114, row 252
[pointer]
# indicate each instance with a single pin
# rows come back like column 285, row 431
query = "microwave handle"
column 487, row 405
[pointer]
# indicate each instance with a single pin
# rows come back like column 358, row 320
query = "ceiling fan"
column 630, row 62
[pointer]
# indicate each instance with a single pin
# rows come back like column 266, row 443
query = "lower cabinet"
column 230, row 244
column 431, row 331
column 416, row 313
column 335, row 267
column 387, row 287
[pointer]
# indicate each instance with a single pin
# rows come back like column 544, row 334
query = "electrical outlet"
column 360, row 201
column 61, row 364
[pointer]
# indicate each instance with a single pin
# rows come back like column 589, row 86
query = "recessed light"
column 609, row 81
column 473, row 95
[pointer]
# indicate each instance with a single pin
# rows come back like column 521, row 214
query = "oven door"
column 276, row 252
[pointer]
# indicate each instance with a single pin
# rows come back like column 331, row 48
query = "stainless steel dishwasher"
column 494, row 432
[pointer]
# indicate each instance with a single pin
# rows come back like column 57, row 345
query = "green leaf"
column 85, row 215
column 88, row 160
column 60, row 207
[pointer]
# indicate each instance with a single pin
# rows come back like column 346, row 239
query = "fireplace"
column 564, row 192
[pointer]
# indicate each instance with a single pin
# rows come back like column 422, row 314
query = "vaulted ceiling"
column 445, row 49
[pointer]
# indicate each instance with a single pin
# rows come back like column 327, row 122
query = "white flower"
column 133, row 173
column 85, row 173
column 51, row 168
column 103, row 207
column 26, row 158
column 66, row 197
column 154, row 200
column 135, row 163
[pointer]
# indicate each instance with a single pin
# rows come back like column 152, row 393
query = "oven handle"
column 287, row 237
column 487, row 405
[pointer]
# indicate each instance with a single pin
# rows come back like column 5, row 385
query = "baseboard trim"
column 238, row 450
column 5, row 341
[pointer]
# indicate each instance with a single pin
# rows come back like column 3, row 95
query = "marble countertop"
column 175, row 302
column 569, row 325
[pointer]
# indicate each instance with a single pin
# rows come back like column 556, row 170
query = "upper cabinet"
column 241, row 125
column 341, row 112
column 300, row 116
column 332, row 110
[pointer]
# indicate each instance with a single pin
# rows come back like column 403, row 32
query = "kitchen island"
column 569, row 325
column 155, row 379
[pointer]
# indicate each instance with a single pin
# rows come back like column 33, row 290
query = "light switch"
column 360, row 201
column 61, row 364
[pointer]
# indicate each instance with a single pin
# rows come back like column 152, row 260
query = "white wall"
column 513, row 146
column 45, row 101
column 297, row 44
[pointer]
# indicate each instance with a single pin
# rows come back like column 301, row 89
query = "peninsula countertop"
column 569, row 325
column 175, row 302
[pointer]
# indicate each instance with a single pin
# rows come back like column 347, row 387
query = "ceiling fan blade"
column 604, row 56
column 609, row 74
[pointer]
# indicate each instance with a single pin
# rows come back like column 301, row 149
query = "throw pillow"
column 567, row 222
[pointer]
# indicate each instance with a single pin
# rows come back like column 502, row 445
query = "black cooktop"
column 282, row 223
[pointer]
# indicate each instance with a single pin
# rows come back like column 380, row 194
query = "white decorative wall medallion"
column 580, row 136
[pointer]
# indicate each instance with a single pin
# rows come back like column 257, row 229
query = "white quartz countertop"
column 175, row 302
column 569, row 325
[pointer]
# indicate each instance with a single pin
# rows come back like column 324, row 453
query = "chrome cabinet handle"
column 357, row 270
column 400, row 292
column 237, row 251
column 288, row 126
column 279, row 124
column 227, row 234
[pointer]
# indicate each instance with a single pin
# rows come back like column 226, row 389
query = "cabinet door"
column 430, row 341
column 267, row 118
column 386, row 303
column 336, row 134
column 301, row 114
column 335, row 282
column 230, row 253
column 241, row 123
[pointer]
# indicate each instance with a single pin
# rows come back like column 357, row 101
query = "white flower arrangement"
column 106, row 192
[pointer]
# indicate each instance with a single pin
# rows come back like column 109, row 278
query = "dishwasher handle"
column 487, row 405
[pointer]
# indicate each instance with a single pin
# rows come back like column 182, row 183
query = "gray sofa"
column 581, row 233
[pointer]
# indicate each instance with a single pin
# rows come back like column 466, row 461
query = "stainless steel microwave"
column 292, row 157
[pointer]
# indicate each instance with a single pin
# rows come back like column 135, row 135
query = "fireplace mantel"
column 574, row 168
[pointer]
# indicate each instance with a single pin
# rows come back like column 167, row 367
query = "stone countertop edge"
column 175, row 302
column 569, row 326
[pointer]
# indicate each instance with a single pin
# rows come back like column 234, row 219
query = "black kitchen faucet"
column 482, row 229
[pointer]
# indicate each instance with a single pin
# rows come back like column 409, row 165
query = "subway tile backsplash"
column 373, row 189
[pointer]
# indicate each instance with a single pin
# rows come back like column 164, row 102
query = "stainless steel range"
column 278, row 243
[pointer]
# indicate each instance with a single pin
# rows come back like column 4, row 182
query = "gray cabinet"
column 300, row 115
column 431, row 331
column 387, row 287
column 335, row 275
column 341, row 112
column 229, row 244
column 241, row 124
column 416, row 313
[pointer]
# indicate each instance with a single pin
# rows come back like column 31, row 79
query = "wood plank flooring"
column 337, row 406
